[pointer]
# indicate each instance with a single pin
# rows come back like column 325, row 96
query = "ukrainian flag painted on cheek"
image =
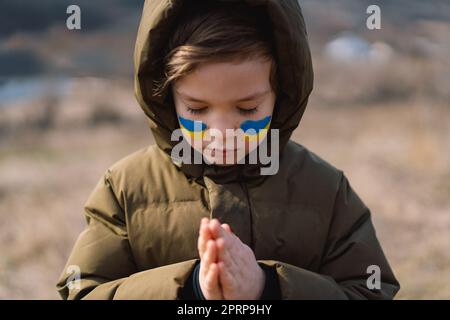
column 256, row 129
column 191, row 128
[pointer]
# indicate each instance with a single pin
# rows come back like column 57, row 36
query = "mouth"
column 221, row 151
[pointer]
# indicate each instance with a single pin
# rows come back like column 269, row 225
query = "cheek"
column 256, row 125
column 255, row 131
column 193, row 131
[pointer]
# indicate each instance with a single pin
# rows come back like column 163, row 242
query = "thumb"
column 227, row 227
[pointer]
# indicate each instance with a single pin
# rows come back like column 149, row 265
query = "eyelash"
column 248, row 111
column 243, row 111
column 195, row 111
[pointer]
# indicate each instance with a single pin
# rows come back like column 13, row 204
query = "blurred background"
column 380, row 111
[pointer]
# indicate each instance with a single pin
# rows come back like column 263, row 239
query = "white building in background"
column 350, row 48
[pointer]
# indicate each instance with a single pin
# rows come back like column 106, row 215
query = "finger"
column 204, row 236
column 216, row 229
column 209, row 278
column 204, row 220
column 218, row 232
column 212, row 282
column 227, row 227
column 209, row 257
column 234, row 253
column 226, row 277
column 225, row 254
column 228, row 244
column 231, row 239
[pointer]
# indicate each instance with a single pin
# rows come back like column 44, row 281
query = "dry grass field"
column 52, row 152
column 383, row 117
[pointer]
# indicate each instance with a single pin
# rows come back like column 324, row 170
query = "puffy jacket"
column 305, row 222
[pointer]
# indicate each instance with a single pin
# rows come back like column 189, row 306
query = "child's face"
column 226, row 95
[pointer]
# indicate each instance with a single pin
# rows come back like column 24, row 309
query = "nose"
column 223, row 121
column 220, row 123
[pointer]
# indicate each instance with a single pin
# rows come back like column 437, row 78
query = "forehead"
column 226, row 81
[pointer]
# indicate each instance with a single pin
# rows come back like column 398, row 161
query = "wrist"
column 196, row 285
column 261, row 282
column 271, row 286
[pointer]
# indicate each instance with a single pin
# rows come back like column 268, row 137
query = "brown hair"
column 217, row 32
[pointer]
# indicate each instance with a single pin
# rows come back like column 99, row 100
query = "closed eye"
column 248, row 111
column 196, row 110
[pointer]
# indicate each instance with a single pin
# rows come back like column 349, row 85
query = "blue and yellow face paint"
column 256, row 129
column 193, row 129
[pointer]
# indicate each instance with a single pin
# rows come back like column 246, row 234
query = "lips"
column 222, row 151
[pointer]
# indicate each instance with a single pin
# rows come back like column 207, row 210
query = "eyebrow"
column 251, row 97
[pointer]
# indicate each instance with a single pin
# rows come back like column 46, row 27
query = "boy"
column 160, row 228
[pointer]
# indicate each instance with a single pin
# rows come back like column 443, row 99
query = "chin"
column 225, row 164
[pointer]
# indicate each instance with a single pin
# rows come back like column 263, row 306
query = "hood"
column 295, row 76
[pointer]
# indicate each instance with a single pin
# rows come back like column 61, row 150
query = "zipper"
column 244, row 187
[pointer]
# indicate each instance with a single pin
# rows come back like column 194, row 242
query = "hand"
column 209, row 270
column 239, row 275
